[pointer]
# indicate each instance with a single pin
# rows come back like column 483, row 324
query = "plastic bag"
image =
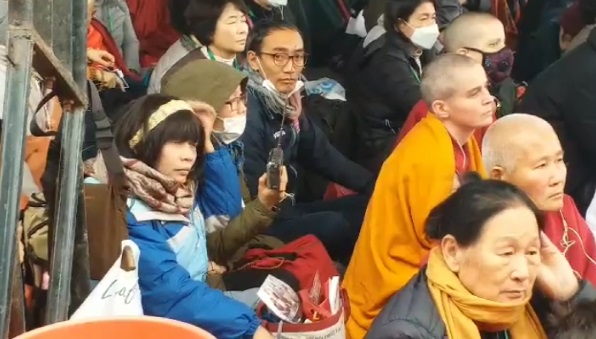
column 117, row 294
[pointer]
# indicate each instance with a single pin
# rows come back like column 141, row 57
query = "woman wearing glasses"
column 275, row 60
column 186, row 211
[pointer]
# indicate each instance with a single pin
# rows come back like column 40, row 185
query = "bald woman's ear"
column 439, row 108
column 497, row 173
column 462, row 51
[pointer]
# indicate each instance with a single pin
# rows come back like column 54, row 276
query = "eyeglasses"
column 282, row 59
column 235, row 102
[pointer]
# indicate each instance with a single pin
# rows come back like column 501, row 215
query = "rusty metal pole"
column 18, row 324
column 62, row 256
column 69, row 218
column 81, row 278
column 16, row 110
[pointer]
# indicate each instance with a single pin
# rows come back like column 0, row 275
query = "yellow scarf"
column 463, row 313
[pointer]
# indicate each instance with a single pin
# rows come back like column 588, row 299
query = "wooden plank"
column 48, row 66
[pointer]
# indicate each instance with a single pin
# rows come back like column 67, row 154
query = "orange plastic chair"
column 119, row 328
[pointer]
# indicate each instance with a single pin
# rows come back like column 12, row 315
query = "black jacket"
column 447, row 11
column 411, row 313
column 309, row 148
column 383, row 86
column 565, row 95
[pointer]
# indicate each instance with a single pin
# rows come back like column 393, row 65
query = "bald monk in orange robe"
column 421, row 172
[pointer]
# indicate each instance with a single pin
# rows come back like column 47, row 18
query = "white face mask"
column 425, row 37
column 232, row 129
column 271, row 87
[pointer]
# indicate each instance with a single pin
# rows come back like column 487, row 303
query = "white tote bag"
column 117, row 294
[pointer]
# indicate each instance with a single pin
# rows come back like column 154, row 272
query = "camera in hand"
column 276, row 161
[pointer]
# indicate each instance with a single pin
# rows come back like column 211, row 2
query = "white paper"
column 334, row 297
column 280, row 299
column 356, row 26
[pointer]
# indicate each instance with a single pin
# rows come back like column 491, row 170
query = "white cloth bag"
column 117, row 294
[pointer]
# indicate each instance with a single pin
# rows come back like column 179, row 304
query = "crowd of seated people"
column 466, row 219
column 488, row 275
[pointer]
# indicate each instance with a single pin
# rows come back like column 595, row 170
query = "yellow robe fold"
column 417, row 176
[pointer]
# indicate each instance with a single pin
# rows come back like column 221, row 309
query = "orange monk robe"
column 416, row 177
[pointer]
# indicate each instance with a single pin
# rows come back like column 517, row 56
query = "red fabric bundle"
column 303, row 257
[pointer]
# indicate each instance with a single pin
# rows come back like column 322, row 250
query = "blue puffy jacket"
column 174, row 262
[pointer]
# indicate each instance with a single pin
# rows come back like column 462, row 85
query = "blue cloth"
column 220, row 195
column 173, row 263
column 236, row 149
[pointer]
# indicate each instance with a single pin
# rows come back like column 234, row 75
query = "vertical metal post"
column 80, row 282
column 62, row 33
column 79, row 44
column 69, row 217
column 43, row 20
column 61, row 260
column 20, row 52
column 17, row 309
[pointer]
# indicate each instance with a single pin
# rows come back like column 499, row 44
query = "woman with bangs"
column 492, row 274
column 212, row 30
column 162, row 142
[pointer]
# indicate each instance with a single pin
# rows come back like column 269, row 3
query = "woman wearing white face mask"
column 223, row 87
column 386, row 80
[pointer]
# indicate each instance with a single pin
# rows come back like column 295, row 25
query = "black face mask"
column 497, row 65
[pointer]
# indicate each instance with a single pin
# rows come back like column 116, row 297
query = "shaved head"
column 442, row 77
column 455, row 87
column 481, row 31
column 507, row 136
column 525, row 151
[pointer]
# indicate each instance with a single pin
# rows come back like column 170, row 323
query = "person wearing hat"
column 244, row 218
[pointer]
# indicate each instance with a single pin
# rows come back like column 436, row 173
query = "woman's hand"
column 100, row 57
column 107, row 79
column 112, row 80
column 268, row 197
column 206, row 113
column 262, row 333
column 556, row 278
column 216, row 269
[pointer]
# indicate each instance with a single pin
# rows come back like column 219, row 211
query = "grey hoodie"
column 115, row 15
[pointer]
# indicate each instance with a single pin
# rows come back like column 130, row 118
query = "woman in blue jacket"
column 163, row 145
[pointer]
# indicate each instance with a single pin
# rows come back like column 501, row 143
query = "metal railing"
column 50, row 38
